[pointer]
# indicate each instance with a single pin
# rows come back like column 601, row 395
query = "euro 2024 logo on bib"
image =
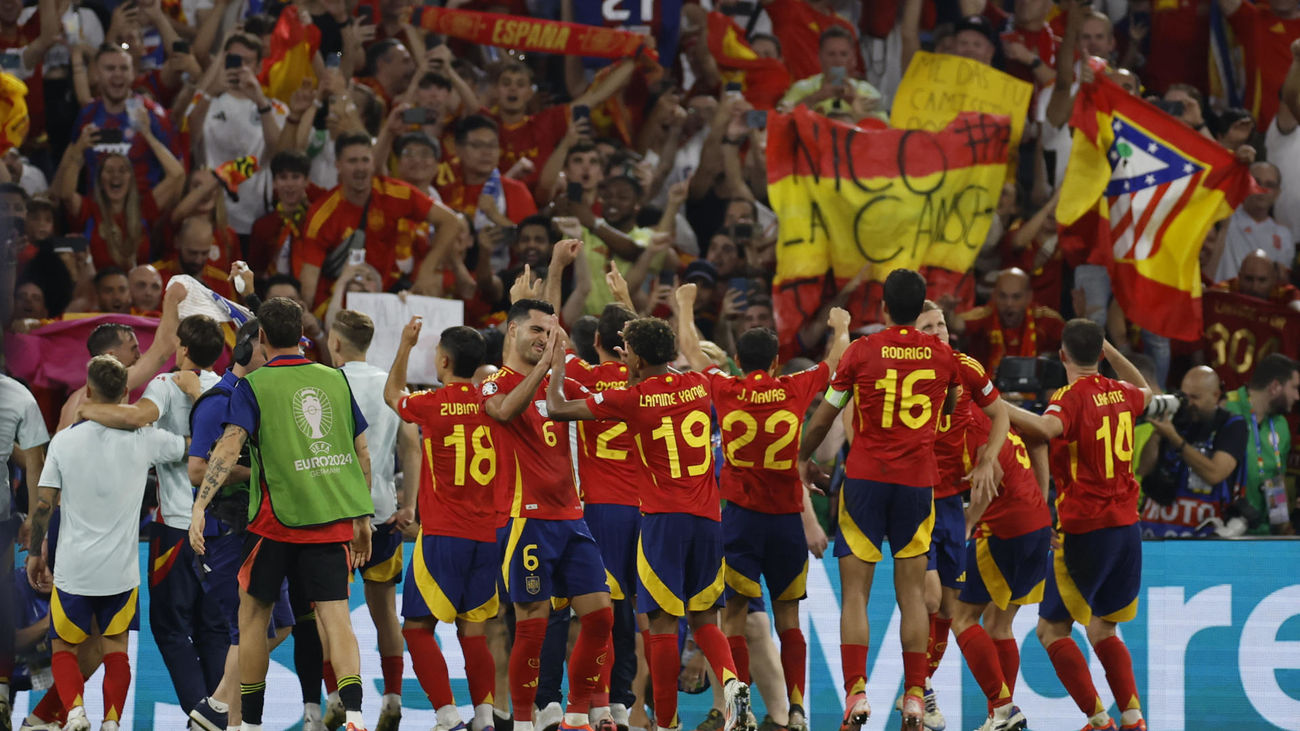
column 313, row 413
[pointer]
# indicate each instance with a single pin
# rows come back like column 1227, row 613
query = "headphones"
column 245, row 341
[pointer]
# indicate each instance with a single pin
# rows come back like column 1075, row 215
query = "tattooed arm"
column 224, row 457
column 40, row 522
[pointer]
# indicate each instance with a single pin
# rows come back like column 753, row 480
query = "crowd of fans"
column 467, row 163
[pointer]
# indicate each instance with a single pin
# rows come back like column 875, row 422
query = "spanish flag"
column 1151, row 188
column 847, row 197
column 233, row 173
column 763, row 80
column 13, row 111
column 293, row 46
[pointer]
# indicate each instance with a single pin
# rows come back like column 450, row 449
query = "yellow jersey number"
column 694, row 431
column 913, row 409
column 740, row 428
column 475, row 453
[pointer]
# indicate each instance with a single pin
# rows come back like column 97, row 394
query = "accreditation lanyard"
column 1259, row 447
column 1272, row 488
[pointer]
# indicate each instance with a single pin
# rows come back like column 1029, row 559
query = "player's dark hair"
column 1082, row 340
column 355, row 328
column 1272, row 368
column 281, row 319
column 107, row 272
column 756, row 349
column 583, row 337
column 473, row 122
column 290, row 161
column 203, row 337
column 106, row 337
column 610, row 328
column 107, row 376
column 904, row 295
column 519, row 310
column 466, row 348
column 652, row 339
column 349, row 139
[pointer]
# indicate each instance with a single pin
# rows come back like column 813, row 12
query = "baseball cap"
column 700, row 269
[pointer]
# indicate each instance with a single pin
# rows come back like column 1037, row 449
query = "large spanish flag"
column 1151, row 188
column 294, row 43
column 892, row 198
column 763, row 80
column 13, row 111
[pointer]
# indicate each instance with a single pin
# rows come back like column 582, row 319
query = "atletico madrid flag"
column 293, row 45
column 1151, row 188
column 763, row 80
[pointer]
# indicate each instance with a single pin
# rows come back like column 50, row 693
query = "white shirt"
column 233, row 129
column 1284, row 152
column 367, row 384
column 21, row 422
column 1245, row 235
column 175, row 492
column 80, row 24
column 99, row 532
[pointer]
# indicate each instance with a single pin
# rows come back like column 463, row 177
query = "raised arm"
column 838, row 320
column 167, row 191
column 1035, row 426
column 504, row 407
column 164, row 341
column 557, row 406
column 688, row 339
column 395, row 387
column 1061, row 103
column 562, row 255
column 1126, row 370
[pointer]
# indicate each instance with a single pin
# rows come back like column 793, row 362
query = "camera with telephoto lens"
column 1171, row 406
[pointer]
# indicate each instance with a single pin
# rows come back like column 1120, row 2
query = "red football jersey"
column 534, row 138
column 536, row 479
column 1019, row 507
column 460, row 462
column 1266, row 42
column 762, row 420
column 669, row 419
column 609, row 472
column 1097, row 490
column 898, row 379
column 953, row 449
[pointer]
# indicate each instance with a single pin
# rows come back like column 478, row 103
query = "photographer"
column 1191, row 467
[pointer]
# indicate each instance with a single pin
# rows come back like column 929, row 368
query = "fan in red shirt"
column 1180, row 29
column 679, row 558
column 798, row 24
column 762, row 524
column 1011, row 326
column 478, row 146
column 275, row 246
column 1265, row 32
column 453, row 567
column 332, row 224
column 549, row 551
column 1098, row 567
column 901, row 381
column 534, row 136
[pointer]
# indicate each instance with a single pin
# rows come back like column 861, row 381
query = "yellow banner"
column 937, row 87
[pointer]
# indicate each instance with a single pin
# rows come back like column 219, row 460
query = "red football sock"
column 1009, row 659
column 117, row 680
column 429, row 665
column 589, row 658
column 939, row 628
column 392, row 670
column 853, row 660
column 525, row 661
column 740, row 656
column 1119, row 672
column 50, row 709
column 982, row 659
column 794, row 663
column 600, row 696
column 713, row 644
column 331, row 680
column 915, row 667
column 67, row 679
column 480, row 669
column 1072, row 669
column 664, row 668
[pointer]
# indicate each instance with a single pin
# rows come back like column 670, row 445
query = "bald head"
column 1011, row 296
column 1201, row 384
column 193, row 243
column 146, row 288
column 1258, row 276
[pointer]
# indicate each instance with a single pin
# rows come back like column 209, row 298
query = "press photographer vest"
column 1177, row 513
column 303, row 450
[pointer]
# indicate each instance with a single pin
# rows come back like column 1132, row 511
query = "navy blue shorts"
column 74, row 618
column 871, row 512
column 678, row 563
column 764, row 544
column 219, row 573
column 551, row 558
column 948, row 541
column 616, row 528
column 1098, row 573
column 385, row 564
column 1007, row 571
column 451, row 577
